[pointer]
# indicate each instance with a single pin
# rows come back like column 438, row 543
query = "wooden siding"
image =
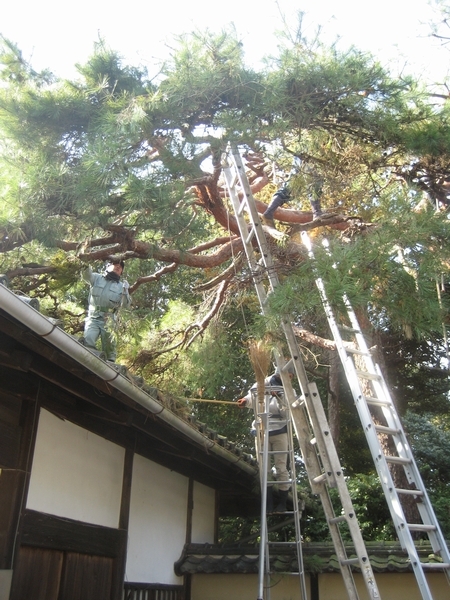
column 37, row 574
column 18, row 421
column 87, row 577
column 43, row 574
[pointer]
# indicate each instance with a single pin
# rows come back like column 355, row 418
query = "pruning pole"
column 213, row 401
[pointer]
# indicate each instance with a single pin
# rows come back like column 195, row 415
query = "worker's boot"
column 278, row 199
column 269, row 500
column 282, row 497
column 267, row 217
column 267, row 221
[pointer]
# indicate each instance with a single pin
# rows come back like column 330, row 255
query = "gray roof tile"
column 318, row 558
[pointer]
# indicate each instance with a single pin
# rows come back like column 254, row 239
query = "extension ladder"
column 369, row 389
column 307, row 412
column 262, row 415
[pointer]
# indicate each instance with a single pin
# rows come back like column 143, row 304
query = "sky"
column 56, row 35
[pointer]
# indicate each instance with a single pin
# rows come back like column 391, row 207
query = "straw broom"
column 260, row 358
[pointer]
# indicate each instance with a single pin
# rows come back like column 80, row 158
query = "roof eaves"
column 318, row 558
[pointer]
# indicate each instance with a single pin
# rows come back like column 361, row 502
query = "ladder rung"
column 242, row 207
column 233, row 180
column 367, row 375
column 389, row 430
column 409, row 492
column 421, row 527
column 435, row 566
column 350, row 561
column 351, row 350
column 376, row 401
column 398, row 460
column 298, row 403
column 339, row 519
column 320, row 478
column 250, row 236
column 349, row 329
column 288, row 481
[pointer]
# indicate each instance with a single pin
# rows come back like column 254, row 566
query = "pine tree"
column 115, row 164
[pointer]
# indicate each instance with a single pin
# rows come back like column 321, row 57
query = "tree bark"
column 333, row 397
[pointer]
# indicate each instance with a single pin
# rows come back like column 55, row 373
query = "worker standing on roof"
column 278, row 440
column 107, row 295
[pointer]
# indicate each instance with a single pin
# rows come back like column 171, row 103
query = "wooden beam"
column 14, row 478
column 118, row 576
column 48, row 531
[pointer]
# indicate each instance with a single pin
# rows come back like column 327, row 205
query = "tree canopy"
column 114, row 164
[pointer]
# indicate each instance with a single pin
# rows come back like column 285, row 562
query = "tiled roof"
column 222, row 440
column 317, row 557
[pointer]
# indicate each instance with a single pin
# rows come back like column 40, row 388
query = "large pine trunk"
column 334, row 419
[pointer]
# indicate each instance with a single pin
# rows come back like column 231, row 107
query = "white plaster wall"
column 157, row 527
column 75, row 473
column 203, row 514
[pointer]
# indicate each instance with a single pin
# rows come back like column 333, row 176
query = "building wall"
column 392, row 586
column 203, row 517
column 243, row 587
column 79, row 475
column 75, row 473
column 158, row 518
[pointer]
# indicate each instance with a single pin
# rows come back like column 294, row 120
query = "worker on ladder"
column 283, row 194
column 278, row 436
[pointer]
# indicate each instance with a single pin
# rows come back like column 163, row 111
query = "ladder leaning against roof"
column 308, row 416
column 369, row 390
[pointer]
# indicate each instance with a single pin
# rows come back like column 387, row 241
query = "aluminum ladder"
column 261, row 412
column 308, row 416
column 369, row 389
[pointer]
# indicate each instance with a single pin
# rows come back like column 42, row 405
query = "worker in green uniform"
column 107, row 294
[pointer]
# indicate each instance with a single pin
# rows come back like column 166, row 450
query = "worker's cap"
column 118, row 262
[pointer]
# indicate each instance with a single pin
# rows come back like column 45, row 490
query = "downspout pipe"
column 40, row 325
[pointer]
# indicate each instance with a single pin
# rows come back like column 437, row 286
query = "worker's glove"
column 126, row 285
column 242, row 402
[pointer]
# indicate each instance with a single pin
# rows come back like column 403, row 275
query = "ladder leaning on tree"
column 369, row 390
column 308, row 416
